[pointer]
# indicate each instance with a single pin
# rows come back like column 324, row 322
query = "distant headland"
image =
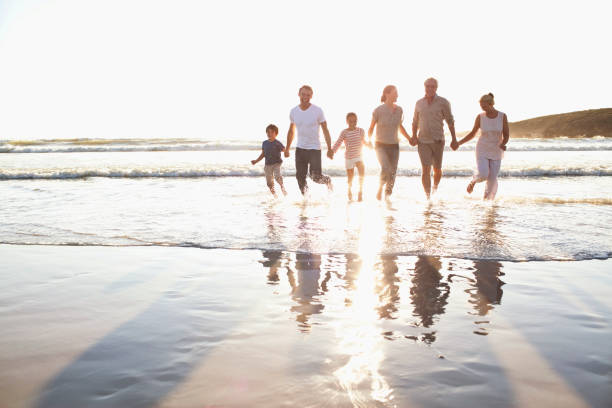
column 588, row 123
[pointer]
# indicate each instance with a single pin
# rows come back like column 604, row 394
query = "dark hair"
column 348, row 115
column 387, row 89
column 306, row 87
column 273, row 127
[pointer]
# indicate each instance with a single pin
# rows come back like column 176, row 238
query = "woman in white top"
column 494, row 135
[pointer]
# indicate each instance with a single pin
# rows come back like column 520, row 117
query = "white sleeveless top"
column 490, row 137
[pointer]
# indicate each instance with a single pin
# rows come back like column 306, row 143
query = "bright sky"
column 225, row 69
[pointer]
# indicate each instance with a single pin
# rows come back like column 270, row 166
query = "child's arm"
column 363, row 139
column 338, row 142
column 261, row 156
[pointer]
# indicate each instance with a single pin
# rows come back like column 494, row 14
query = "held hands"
column 286, row 152
column 413, row 141
column 253, row 161
column 454, row 144
column 330, row 154
column 502, row 146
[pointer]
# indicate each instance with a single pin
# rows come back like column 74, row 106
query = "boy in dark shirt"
column 271, row 149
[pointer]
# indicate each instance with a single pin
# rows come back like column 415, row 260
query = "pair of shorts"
column 431, row 153
column 272, row 171
column 350, row 163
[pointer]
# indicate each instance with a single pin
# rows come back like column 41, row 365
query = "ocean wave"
column 157, row 145
column 258, row 172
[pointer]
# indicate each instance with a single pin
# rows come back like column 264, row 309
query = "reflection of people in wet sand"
column 306, row 287
column 428, row 293
column 488, row 291
column 387, row 287
column 494, row 135
column 353, row 268
column 273, row 262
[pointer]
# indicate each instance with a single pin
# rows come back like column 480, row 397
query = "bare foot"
column 284, row 191
column 350, row 195
column 360, row 196
column 470, row 187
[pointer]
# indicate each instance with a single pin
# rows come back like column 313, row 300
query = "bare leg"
column 271, row 187
column 280, row 183
column 350, row 173
column 426, row 180
column 361, row 170
column 279, row 179
column 437, row 177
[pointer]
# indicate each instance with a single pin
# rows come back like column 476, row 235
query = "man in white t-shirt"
column 307, row 118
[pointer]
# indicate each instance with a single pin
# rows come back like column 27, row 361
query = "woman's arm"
column 371, row 129
column 471, row 135
column 403, row 132
column 505, row 133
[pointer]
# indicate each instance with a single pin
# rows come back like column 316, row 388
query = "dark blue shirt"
column 272, row 151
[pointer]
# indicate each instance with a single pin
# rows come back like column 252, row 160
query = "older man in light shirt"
column 430, row 113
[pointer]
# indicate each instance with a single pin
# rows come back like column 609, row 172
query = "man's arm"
column 289, row 138
column 326, row 135
column 415, row 125
column 505, row 133
column 450, row 121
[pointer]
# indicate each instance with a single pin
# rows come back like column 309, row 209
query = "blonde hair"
column 488, row 98
column 387, row 90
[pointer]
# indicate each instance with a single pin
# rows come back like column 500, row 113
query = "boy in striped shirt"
column 354, row 139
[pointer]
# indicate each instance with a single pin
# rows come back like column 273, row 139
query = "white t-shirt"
column 307, row 123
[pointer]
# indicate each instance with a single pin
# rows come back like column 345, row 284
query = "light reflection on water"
column 362, row 292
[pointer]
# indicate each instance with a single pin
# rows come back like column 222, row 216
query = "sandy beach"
column 187, row 327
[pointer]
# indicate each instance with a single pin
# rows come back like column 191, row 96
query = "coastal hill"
column 588, row 123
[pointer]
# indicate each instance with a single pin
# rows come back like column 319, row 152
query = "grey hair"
column 434, row 80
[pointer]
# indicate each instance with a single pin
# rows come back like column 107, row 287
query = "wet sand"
column 186, row 327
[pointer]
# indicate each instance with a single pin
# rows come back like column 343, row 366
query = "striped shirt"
column 353, row 140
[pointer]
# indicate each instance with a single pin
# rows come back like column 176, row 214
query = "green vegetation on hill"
column 588, row 123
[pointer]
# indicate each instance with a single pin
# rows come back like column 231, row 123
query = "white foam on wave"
column 63, row 174
column 156, row 145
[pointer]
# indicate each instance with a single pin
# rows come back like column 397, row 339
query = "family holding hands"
column 427, row 134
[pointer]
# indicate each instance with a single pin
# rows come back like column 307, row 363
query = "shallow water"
column 554, row 201
column 532, row 219
column 186, row 327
